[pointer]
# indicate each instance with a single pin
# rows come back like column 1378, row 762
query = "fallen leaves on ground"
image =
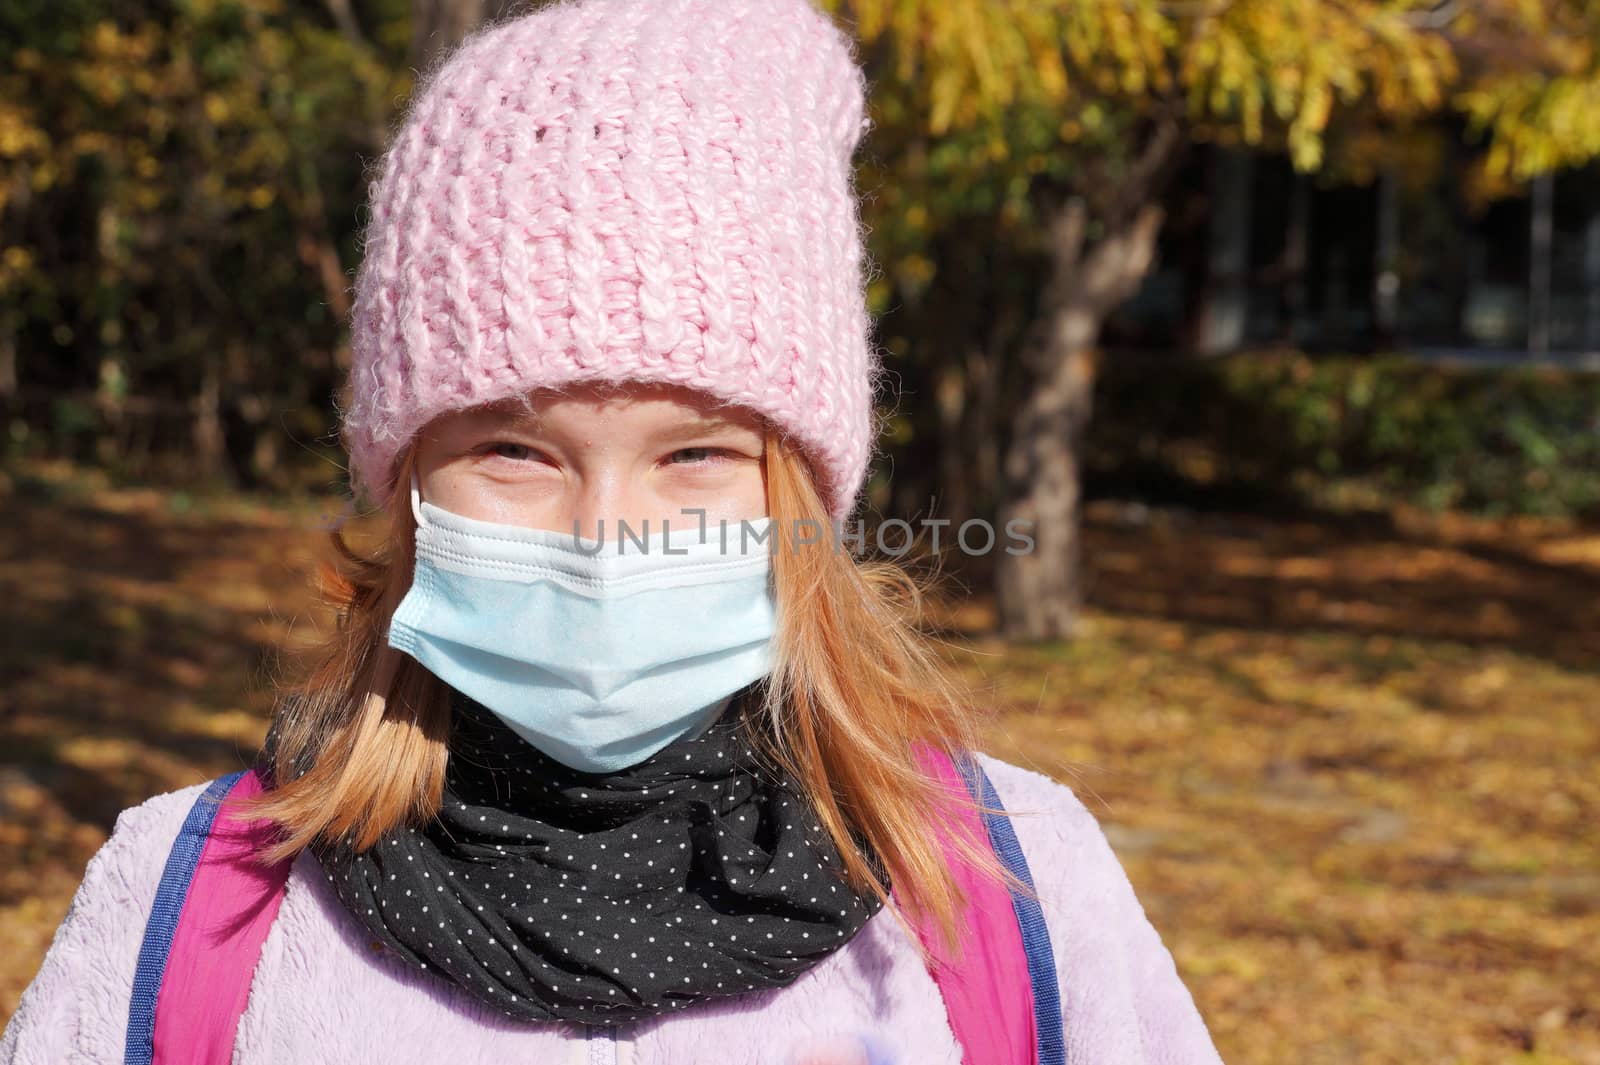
column 1348, row 765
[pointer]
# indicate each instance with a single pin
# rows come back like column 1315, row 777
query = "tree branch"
column 1150, row 168
column 344, row 17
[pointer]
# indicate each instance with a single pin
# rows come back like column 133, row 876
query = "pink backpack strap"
column 214, row 908
column 212, row 912
column 1001, row 993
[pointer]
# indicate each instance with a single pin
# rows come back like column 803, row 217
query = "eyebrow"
column 699, row 424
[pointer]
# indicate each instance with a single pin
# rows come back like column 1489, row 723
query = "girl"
column 561, row 788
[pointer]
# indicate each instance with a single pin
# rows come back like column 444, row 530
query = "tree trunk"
column 208, row 442
column 1296, row 256
column 1039, row 591
column 985, row 365
column 437, row 26
column 1591, row 281
column 1455, row 261
column 8, row 360
column 950, row 397
column 1225, row 309
column 1541, row 237
column 1386, row 263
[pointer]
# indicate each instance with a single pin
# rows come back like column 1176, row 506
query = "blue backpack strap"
column 171, row 894
column 214, row 908
column 188, row 847
column 1030, row 916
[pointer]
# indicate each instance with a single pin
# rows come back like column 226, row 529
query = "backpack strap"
column 212, row 911
column 214, row 908
column 1001, row 994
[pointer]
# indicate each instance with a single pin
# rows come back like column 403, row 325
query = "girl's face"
column 593, row 452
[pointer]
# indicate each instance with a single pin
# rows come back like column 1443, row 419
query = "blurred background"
column 1280, row 318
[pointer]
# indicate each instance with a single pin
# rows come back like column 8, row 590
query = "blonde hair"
column 362, row 740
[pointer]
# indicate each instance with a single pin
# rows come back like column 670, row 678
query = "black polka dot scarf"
column 607, row 898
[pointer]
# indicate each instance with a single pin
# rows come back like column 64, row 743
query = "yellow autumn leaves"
column 1525, row 72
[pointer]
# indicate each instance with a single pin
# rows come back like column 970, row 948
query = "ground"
column 1348, row 764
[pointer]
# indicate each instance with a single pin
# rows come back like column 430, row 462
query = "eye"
column 508, row 449
column 697, row 455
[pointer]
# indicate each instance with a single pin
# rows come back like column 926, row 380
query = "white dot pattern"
column 554, row 894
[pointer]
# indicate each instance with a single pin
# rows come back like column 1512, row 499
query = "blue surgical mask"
column 598, row 652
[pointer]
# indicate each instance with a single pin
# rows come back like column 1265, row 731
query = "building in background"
column 1256, row 255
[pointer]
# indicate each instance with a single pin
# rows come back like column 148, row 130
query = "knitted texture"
column 650, row 190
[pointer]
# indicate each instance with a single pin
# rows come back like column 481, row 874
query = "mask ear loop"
column 416, row 501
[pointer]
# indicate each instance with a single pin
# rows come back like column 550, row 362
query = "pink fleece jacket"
column 322, row 993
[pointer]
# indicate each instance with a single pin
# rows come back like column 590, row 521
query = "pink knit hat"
column 652, row 190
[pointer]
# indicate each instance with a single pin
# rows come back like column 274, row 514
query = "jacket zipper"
column 601, row 1042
